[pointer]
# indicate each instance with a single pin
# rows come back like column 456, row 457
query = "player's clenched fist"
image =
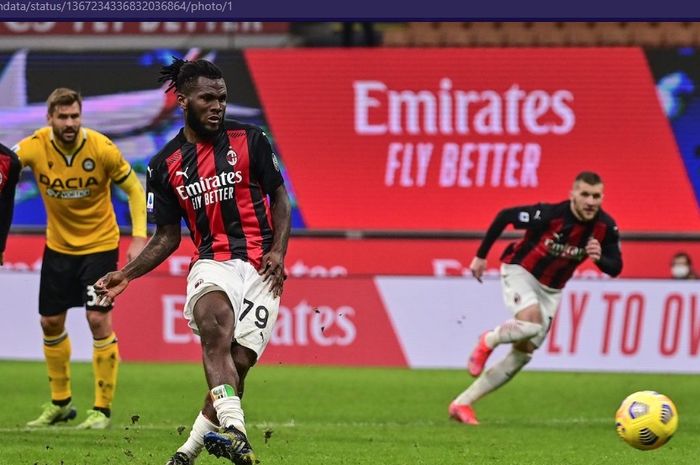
column 593, row 249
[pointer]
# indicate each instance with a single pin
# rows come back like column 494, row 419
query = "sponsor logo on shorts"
column 516, row 298
column 198, row 283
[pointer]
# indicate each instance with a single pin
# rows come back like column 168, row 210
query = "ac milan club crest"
column 231, row 157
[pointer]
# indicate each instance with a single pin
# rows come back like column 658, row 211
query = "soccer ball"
column 646, row 420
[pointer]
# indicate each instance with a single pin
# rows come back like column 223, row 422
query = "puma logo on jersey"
column 182, row 173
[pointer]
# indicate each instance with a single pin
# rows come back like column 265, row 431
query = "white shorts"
column 254, row 307
column 521, row 290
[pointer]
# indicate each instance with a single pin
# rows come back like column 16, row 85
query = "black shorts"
column 66, row 280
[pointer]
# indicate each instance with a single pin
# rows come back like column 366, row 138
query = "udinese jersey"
column 220, row 188
column 9, row 174
column 555, row 241
column 76, row 189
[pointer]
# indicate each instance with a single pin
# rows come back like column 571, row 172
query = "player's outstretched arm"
column 514, row 216
column 163, row 243
column 272, row 266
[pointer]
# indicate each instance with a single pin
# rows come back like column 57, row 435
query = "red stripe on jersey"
column 600, row 230
column 174, row 164
column 244, row 200
column 539, row 251
column 206, row 167
column 4, row 170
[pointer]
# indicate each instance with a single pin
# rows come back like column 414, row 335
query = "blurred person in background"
column 9, row 174
column 75, row 168
column 558, row 238
column 217, row 176
column 682, row 266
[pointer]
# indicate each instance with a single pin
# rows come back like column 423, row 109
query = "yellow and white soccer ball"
column 646, row 420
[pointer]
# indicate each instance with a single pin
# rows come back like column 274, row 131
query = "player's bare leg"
column 207, row 421
column 461, row 408
column 215, row 319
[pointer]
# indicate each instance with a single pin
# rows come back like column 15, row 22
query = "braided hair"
column 183, row 74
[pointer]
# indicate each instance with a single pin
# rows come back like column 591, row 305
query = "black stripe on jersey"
column 258, row 196
column 229, row 210
column 122, row 179
column 65, row 157
column 189, row 158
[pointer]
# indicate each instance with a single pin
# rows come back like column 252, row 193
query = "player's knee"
column 99, row 322
column 52, row 325
column 519, row 358
column 527, row 347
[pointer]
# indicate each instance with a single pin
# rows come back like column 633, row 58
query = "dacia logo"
column 70, row 183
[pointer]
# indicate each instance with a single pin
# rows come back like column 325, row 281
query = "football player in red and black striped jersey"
column 224, row 180
column 9, row 174
column 558, row 238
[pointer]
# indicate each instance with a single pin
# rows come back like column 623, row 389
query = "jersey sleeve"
column 162, row 205
column 610, row 261
column 116, row 166
column 265, row 166
column 9, row 175
column 522, row 217
column 27, row 150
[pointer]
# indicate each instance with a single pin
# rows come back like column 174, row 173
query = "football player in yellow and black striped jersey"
column 74, row 168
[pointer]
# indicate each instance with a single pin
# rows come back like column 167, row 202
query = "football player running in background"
column 75, row 168
column 534, row 270
column 217, row 176
column 9, row 174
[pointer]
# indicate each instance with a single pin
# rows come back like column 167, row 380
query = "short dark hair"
column 589, row 177
column 63, row 97
column 683, row 255
column 183, row 74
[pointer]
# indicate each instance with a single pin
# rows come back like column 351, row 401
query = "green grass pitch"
column 353, row 416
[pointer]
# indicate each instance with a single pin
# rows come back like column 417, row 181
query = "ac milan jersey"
column 555, row 241
column 9, row 174
column 220, row 188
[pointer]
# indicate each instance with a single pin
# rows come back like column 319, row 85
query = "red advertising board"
column 443, row 139
column 319, row 322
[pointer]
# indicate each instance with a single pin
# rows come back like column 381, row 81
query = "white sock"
column 228, row 407
column 494, row 377
column 195, row 443
column 512, row 331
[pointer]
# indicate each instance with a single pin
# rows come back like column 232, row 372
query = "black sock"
column 106, row 411
column 61, row 403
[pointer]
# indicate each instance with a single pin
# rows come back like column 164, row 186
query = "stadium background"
column 387, row 213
